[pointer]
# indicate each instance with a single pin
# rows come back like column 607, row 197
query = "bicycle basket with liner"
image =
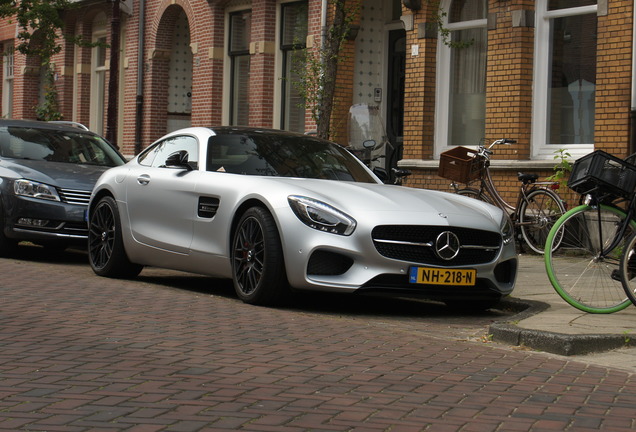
column 601, row 172
column 459, row 164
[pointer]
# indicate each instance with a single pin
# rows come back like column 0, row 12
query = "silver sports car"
column 276, row 211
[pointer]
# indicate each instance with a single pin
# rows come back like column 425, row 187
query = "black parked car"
column 47, row 173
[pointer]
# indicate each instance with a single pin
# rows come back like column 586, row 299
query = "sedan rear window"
column 56, row 146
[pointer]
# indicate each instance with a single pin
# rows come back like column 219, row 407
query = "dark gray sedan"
column 47, row 172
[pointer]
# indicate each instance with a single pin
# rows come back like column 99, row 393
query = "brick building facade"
column 551, row 74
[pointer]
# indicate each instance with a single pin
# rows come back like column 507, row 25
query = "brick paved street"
column 175, row 352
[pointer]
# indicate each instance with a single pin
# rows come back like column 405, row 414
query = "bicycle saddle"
column 527, row 178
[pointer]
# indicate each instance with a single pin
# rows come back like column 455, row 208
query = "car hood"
column 361, row 198
column 63, row 175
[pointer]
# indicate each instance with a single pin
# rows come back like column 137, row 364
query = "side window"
column 156, row 156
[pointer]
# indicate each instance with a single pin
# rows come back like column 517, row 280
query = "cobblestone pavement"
column 176, row 352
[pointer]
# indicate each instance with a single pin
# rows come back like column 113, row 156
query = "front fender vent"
column 208, row 207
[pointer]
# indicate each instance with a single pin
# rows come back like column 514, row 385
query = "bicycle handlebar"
column 483, row 151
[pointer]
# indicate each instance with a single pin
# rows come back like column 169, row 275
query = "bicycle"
column 393, row 175
column 537, row 207
column 594, row 237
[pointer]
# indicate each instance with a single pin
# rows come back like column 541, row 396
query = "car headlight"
column 507, row 229
column 321, row 216
column 34, row 189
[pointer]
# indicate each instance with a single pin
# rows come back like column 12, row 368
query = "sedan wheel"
column 105, row 246
column 258, row 266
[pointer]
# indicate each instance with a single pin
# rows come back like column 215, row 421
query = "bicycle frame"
column 487, row 187
column 629, row 215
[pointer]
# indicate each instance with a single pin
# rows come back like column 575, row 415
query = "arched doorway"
column 180, row 76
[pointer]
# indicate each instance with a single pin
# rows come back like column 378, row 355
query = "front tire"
column 475, row 194
column 106, row 252
column 8, row 246
column 581, row 269
column 258, row 266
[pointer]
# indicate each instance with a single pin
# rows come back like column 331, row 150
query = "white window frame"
column 442, row 88
column 541, row 149
column 98, row 83
column 7, row 80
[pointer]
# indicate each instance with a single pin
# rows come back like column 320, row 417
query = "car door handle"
column 143, row 179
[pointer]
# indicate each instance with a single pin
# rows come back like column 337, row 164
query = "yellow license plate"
column 440, row 276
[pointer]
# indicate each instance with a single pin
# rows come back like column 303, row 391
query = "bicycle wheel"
column 537, row 216
column 628, row 268
column 474, row 193
column 580, row 273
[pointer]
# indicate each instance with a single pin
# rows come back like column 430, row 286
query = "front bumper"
column 356, row 264
column 29, row 219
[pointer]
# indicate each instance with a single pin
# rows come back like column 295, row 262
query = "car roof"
column 253, row 130
column 61, row 126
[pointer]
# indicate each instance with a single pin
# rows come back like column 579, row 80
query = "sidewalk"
column 550, row 324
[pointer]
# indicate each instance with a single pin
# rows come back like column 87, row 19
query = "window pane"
column 467, row 119
column 572, row 80
column 467, row 10
column 294, row 33
column 294, row 104
column 294, row 24
column 100, row 58
column 566, row 4
column 240, row 25
column 240, row 90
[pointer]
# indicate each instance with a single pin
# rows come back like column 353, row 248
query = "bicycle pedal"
column 616, row 275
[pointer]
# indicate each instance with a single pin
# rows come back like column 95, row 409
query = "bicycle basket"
column 604, row 173
column 459, row 164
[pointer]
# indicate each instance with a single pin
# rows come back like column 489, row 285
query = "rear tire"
column 106, row 252
column 537, row 216
column 258, row 266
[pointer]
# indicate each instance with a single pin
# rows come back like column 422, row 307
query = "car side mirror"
column 178, row 159
column 381, row 173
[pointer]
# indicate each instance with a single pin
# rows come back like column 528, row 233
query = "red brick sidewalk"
column 83, row 353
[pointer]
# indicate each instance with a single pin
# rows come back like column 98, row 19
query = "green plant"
column 48, row 110
column 40, row 27
column 316, row 68
column 562, row 168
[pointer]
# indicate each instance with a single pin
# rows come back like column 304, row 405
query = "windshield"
column 283, row 155
column 57, row 146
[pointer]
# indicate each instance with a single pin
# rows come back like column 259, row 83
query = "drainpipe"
column 113, row 84
column 139, row 101
column 632, row 114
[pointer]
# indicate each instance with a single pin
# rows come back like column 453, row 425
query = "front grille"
column 477, row 246
column 74, row 196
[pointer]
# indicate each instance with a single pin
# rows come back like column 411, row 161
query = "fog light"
column 33, row 222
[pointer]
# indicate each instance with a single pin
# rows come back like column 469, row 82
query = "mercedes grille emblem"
column 447, row 245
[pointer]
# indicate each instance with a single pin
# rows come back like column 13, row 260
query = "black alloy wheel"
column 105, row 245
column 258, row 267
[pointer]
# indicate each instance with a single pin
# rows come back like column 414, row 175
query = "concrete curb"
column 555, row 343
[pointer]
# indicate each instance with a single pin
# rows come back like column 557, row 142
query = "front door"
column 395, row 97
